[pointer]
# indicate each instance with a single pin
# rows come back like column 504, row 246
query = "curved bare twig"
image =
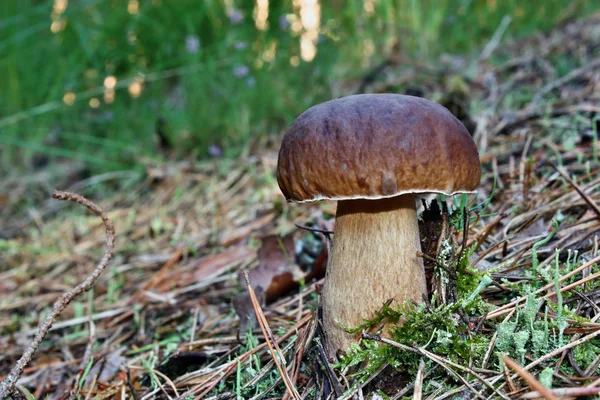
column 7, row 386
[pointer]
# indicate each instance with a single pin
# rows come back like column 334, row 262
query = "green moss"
column 440, row 330
column 546, row 377
column 586, row 353
column 527, row 333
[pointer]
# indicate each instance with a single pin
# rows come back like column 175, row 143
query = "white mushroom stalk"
column 373, row 260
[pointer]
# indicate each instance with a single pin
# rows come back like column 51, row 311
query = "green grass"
column 208, row 79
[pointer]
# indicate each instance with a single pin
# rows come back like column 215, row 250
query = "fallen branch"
column 7, row 386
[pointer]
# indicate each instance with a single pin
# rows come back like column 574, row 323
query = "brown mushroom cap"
column 374, row 146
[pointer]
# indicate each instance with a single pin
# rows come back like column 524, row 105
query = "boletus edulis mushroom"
column 374, row 153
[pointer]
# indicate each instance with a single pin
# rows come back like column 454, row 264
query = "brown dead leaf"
column 276, row 274
column 277, row 271
column 211, row 265
column 204, row 268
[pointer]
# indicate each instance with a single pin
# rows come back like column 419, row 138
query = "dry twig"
column 418, row 394
column 7, row 386
column 530, row 379
column 271, row 342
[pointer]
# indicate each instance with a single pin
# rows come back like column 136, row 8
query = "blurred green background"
column 111, row 82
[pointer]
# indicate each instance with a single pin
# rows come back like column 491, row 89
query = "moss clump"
column 439, row 329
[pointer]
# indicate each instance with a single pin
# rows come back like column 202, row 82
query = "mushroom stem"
column 373, row 259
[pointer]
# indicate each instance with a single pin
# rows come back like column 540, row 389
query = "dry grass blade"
column 271, row 342
column 224, row 371
column 530, row 379
column 159, row 276
column 87, row 356
column 7, row 386
column 305, row 336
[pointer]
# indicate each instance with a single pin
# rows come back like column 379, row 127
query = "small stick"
column 225, row 370
column 325, row 232
column 530, row 379
column 570, row 392
column 311, row 229
column 486, row 230
column 194, row 325
column 271, row 342
column 130, row 384
column 7, row 386
column 465, row 233
column 492, row 345
column 427, row 257
column 509, row 381
column 418, row 395
column 305, row 336
column 410, row 387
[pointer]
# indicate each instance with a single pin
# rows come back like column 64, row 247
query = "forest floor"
column 163, row 320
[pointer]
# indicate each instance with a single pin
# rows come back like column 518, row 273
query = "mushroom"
column 374, row 153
